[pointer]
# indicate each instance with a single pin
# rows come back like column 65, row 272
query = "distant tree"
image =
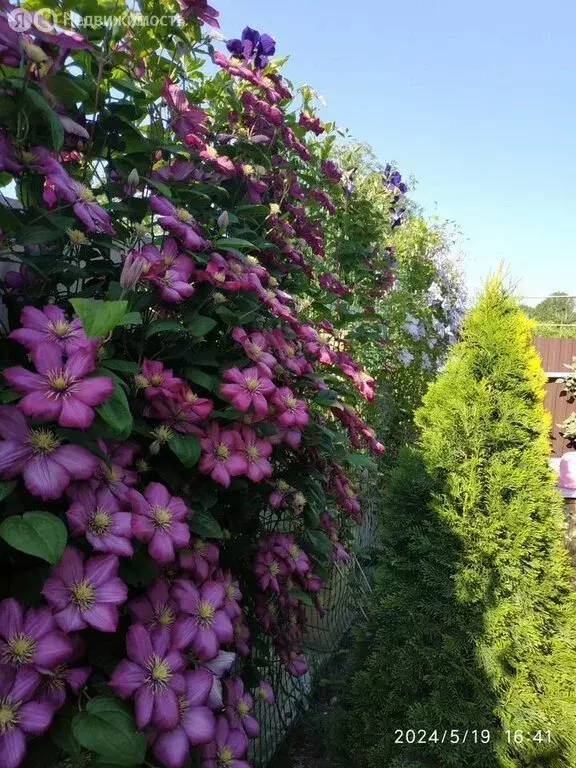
column 559, row 307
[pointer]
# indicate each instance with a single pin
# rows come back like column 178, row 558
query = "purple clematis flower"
column 253, row 47
column 47, row 466
column 239, row 706
column 200, row 558
column 197, row 724
column 218, row 667
column 178, row 222
column 152, row 675
column 87, row 593
column 59, row 391
column 199, row 9
column 97, row 515
column 207, row 625
column 265, row 692
column 49, row 325
column 227, row 749
column 53, row 685
column 156, row 609
column 21, row 715
column 159, row 519
column 31, row 637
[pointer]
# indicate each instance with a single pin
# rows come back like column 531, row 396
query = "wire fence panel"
column 344, row 597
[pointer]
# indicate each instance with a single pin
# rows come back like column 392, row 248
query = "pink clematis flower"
column 206, row 625
column 84, row 594
column 256, row 453
column 178, row 222
column 268, row 567
column 22, row 714
column 227, row 749
column 156, row 380
column 265, row 692
column 152, row 674
column 98, row 516
column 159, row 519
column 256, row 347
column 249, row 387
column 59, row 391
column 31, row 637
column 201, row 407
column 197, row 724
column 49, row 325
column 222, row 456
column 47, row 466
column 292, row 412
column 199, row 9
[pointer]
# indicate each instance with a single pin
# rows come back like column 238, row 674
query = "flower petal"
column 12, row 424
column 166, row 713
column 22, row 380
column 113, row 591
column 38, row 406
column 199, row 724
column 103, row 617
column 77, row 461
column 75, row 414
column 172, row 749
column 51, row 650
column 35, row 717
column 144, row 704
column 127, row 678
column 94, row 390
column 46, row 478
column 11, row 617
column 138, row 644
column 100, row 569
column 12, row 748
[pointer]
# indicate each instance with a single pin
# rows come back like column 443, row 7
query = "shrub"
column 473, row 626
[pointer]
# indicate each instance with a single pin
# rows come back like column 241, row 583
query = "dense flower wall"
column 178, row 357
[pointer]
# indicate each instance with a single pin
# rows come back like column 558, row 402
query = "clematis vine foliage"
column 179, row 421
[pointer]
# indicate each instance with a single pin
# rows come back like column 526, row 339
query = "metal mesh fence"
column 344, row 596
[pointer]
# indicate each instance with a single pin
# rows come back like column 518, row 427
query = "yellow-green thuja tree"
column 474, row 620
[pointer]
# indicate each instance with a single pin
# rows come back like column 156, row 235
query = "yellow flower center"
column 111, row 475
column 220, row 277
column 206, row 613
column 282, row 485
column 28, row 157
column 230, row 591
column 211, row 152
column 59, row 329
column 141, row 382
column 252, row 261
column 199, row 546
column 43, row 441
column 350, row 492
column 294, row 551
column 184, row 216
column 248, row 169
column 162, row 434
column 256, row 350
column 85, row 194
column 223, row 452
column 165, row 616
column 20, row 649
column 242, row 708
column 252, row 384
column 83, row 595
column 291, row 402
column 101, row 522
column 225, row 757
column 219, row 298
column 77, row 237
column 162, row 517
column 299, row 499
column 252, row 453
column 274, row 569
column 156, row 379
column 159, row 670
column 8, row 716
column 290, row 352
column 58, row 382
column 191, row 397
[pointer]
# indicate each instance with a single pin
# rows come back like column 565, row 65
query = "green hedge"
column 474, row 622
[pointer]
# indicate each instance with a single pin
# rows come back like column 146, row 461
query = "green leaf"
column 164, row 189
column 164, row 326
column 123, row 366
column 6, row 488
column 319, row 542
column 304, row 597
column 132, row 318
column 361, row 460
column 201, row 325
column 205, row 525
column 203, row 379
column 116, row 413
column 186, row 448
column 234, row 242
column 99, row 317
column 41, row 534
column 39, row 235
column 107, row 728
column 56, row 129
column 328, row 398
column 66, row 89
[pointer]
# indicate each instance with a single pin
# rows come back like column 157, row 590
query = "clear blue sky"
column 476, row 99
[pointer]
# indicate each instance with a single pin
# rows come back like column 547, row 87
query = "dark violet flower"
column 206, row 625
column 49, row 325
column 83, row 594
column 159, row 519
column 294, row 557
column 200, row 10
column 233, row 594
column 200, row 558
column 239, row 706
column 265, row 692
column 98, row 516
column 47, row 466
column 197, row 723
column 31, row 637
column 20, row 714
column 53, row 685
column 227, row 749
column 267, row 568
column 60, row 390
column 156, row 609
column 253, row 47
column 156, row 380
column 152, row 675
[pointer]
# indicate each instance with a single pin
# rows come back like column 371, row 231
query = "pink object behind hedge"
column 568, row 470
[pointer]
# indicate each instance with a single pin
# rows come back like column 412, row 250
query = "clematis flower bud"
column 132, row 270
column 133, row 179
column 223, row 220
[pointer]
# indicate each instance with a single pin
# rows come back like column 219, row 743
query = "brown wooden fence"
column 556, row 354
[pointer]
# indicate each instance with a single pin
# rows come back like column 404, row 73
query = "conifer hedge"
column 474, row 619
